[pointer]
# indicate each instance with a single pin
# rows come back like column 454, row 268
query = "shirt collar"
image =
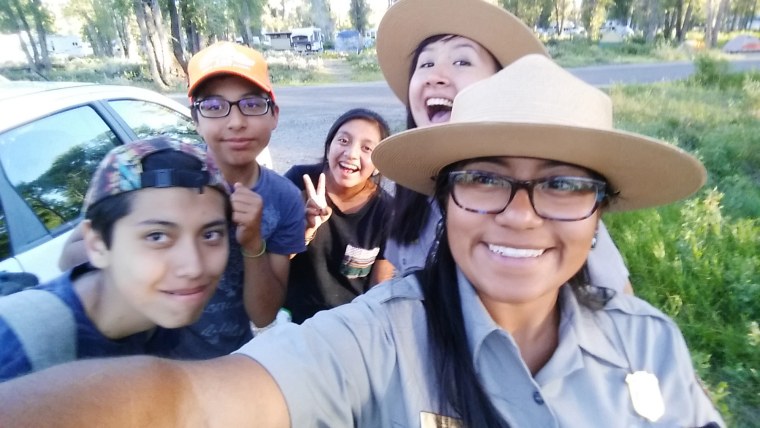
column 593, row 330
column 581, row 328
column 478, row 324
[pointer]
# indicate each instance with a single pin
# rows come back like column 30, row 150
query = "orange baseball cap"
column 228, row 58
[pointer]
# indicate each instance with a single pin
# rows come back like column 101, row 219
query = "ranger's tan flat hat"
column 409, row 22
column 534, row 108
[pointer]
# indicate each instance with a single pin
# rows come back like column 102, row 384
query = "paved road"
column 306, row 112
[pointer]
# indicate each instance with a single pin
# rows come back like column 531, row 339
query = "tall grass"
column 699, row 260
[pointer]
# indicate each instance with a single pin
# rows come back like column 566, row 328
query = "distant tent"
column 742, row 43
column 348, row 41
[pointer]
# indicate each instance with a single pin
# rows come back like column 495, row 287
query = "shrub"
column 710, row 71
column 699, row 260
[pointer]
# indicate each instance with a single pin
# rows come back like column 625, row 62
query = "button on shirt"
column 367, row 364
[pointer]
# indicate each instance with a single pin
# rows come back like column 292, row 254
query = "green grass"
column 289, row 68
column 699, row 260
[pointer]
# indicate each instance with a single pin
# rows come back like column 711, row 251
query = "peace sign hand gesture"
column 317, row 211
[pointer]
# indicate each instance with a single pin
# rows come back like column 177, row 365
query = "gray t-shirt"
column 605, row 263
column 367, row 364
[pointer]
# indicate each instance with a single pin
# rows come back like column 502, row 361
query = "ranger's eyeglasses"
column 215, row 107
column 553, row 198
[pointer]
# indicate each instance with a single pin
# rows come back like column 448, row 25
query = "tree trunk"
column 715, row 11
column 157, row 20
column 146, row 45
column 652, row 16
column 177, row 41
column 89, row 34
column 245, row 20
column 39, row 24
column 687, row 19
column 679, row 21
column 23, row 25
column 120, row 23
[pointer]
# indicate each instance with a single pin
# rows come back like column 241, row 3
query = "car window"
column 5, row 244
column 49, row 162
column 149, row 119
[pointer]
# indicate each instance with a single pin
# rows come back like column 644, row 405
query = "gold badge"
column 645, row 395
column 431, row 420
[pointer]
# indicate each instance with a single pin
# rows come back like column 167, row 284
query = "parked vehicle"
column 307, row 39
column 348, row 41
column 279, row 40
column 52, row 137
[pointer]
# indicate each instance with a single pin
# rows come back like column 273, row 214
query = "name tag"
column 431, row 420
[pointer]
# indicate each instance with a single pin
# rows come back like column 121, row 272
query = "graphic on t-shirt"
column 357, row 262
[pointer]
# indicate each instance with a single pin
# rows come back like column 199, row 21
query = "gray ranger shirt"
column 367, row 364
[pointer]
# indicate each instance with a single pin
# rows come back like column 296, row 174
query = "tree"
column 593, row 15
column 177, row 39
column 358, row 14
column 101, row 24
column 527, row 10
column 247, row 15
column 320, row 16
column 715, row 9
column 560, row 11
column 32, row 22
column 151, row 50
column 621, row 11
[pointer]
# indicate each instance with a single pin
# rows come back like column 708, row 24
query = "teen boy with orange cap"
column 234, row 109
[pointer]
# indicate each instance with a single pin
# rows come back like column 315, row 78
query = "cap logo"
column 227, row 57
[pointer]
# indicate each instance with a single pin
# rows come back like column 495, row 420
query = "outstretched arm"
column 145, row 391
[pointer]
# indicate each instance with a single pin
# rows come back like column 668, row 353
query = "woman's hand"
column 317, row 211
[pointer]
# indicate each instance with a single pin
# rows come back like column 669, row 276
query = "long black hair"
column 460, row 388
column 410, row 209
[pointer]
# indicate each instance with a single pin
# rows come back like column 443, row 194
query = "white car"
column 52, row 137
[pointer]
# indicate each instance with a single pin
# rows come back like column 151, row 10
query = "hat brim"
column 644, row 171
column 409, row 22
column 228, row 72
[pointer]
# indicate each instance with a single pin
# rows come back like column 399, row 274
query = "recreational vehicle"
column 307, row 39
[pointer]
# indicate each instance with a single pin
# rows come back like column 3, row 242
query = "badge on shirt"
column 645, row 395
column 431, row 420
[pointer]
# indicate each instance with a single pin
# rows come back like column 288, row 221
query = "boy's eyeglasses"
column 553, row 198
column 215, row 107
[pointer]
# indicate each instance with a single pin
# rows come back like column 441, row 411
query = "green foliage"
column 582, row 52
column 699, row 260
column 358, row 14
column 719, row 125
column 291, row 68
column 710, row 71
column 364, row 63
column 97, row 70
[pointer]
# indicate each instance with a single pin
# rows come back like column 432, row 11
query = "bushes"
column 714, row 72
column 98, row 70
column 699, row 260
column 583, row 52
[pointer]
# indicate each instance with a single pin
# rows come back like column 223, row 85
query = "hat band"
column 174, row 178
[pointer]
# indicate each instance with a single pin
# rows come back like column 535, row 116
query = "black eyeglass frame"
column 528, row 185
column 267, row 101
